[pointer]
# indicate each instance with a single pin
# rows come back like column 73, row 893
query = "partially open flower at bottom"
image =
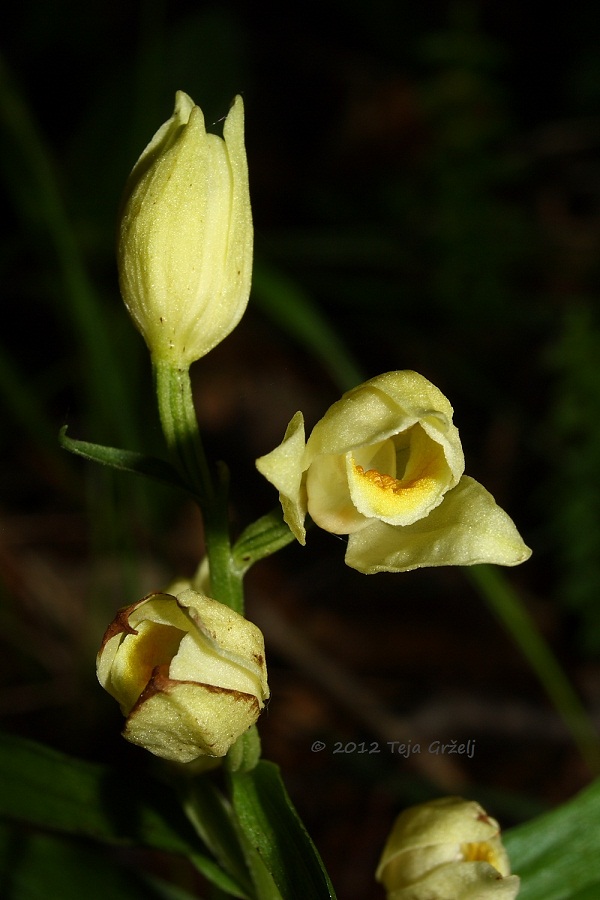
column 189, row 674
column 446, row 849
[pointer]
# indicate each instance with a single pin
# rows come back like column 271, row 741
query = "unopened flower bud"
column 185, row 235
column 447, row 849
column 189, row 674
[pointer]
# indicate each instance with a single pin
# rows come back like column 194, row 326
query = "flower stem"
column 182, row 435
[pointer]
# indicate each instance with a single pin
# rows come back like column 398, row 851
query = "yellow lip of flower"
column 401, row 500
column 490, row 852
column 188, row 672
column 385, row 466
column 185, row 235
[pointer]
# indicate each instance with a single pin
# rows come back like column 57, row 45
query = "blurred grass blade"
column 33, row 176
column 556, row 855
column 272, row 826
column 210, row 815
column 286, row 304
column 40, row 866
column 508, row 607
column 47, row 789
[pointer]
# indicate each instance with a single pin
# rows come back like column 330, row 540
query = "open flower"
column 185, row 235
column 189, row 674
column 446, row 849
column 385, row 466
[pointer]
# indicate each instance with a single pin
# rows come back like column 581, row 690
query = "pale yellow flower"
column 446, row 849
column 185, row 235
column 385, row 466
column 189, row 674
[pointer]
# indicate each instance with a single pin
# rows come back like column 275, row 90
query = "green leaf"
column 556, row 855
column 272, row 826
column 263, row 881
column 41, row 866
column 265, row 536
column 48, row 789
column 124, row 460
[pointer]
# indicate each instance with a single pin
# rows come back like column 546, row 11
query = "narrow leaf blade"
column 272, row 826
column 123, row 460
column 35, row 866
column 47, row 789
column 556, row 855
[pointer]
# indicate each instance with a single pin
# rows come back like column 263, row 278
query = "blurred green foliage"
column 426, row 192
column 432, row 195
column 574, row 440
column 429, row 196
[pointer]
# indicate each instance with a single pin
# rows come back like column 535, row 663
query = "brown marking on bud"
column 119, row 625
column 161, row 683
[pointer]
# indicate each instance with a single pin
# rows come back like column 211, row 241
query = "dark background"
column 429, row 181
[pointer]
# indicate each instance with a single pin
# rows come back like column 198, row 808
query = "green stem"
column 506, row 604
column 180, row 428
